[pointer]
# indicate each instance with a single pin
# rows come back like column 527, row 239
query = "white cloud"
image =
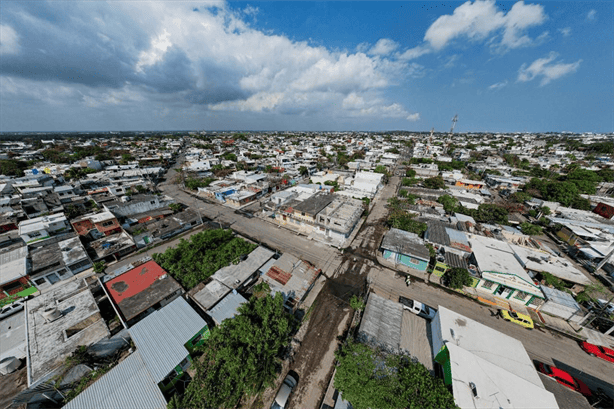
column 591, row 15
column 413, row 53
column 481, row 19
column 413, row 117
column 251, row 11
column 566, row 31
column 383, row 47
column 204, row 59
column 9, row 40
column 259, row 102
column 159, row 46
column 546, row 69
column 498, row 85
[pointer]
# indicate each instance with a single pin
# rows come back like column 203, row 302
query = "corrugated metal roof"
column 129, row 386
column 559, row 297
column 161, row 336
column 227, row 307
column 404, row 242
column 381, row 323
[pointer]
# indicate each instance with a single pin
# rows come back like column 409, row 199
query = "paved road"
column 542, row 345
column 13, row 336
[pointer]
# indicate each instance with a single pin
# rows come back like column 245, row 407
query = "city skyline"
column 502, row 67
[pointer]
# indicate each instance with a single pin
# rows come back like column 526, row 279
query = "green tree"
column 175, row 207
column 356, row 303
column 405, row 221
column 194, row 260
column 436, row 182
column 457, row 278
column 410, row 173
column 380, row 169
column 490, row 213
column 371, row 379
column 531, row 229
column 449, row 203
column 100, row 267
column 241, row 357
column 303, row 171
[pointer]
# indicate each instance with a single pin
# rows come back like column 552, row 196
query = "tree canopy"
column 370, row 379
column 436, row 182
column 196, row 259
column 242, row 356
column 457, row 278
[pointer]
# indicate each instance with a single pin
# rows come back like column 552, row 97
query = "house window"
column 414, row 260
column 488, row 284
column 34, row 234
column 153, row 202
column 108, row 223
column 521, row 296
column 40, row 281
column 302, row 213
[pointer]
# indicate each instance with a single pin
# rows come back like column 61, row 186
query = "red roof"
column 279, row 275
column 134, row 281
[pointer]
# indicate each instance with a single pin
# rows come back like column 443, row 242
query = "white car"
column 11, row 309
column 418, row 308
column 284, row 392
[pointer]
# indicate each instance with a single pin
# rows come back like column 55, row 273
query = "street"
column 540, row 344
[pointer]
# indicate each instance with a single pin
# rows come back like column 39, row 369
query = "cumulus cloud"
column 591, row 15
column 384, row 47
column 547, row 69
column 479, row 20
column 566, row 31
column 413, row 53
column 498, row 85
column 9, row 41
column 190, row 56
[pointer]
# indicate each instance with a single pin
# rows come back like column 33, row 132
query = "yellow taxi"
column 517, row 318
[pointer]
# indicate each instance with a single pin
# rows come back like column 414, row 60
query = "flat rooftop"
column 449, row 327
column 13, row 264
column 80, row 323
column 140, row 288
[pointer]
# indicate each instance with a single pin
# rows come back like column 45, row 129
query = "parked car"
column 517, row 318
column 564, row 378
column 11, row 309
column 418, row 308
column 284, row 392
column 598, row 351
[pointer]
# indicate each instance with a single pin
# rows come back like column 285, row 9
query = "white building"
column 486, row 368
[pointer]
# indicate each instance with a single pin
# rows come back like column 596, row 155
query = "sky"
column 311, row 66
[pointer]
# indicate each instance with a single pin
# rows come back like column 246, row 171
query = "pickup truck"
column 418, row 308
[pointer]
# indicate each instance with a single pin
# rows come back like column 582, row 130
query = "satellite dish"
column 35, row 171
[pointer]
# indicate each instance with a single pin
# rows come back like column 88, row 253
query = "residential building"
column 141, row 290
column 404, row 248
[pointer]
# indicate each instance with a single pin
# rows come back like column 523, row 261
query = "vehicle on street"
column 418, row 308
column 517, row 318
column 284, row 392
column 11, row 309
column 598, row 351
column 563, row 378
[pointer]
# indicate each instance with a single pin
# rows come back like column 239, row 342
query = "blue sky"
column 501, row 66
